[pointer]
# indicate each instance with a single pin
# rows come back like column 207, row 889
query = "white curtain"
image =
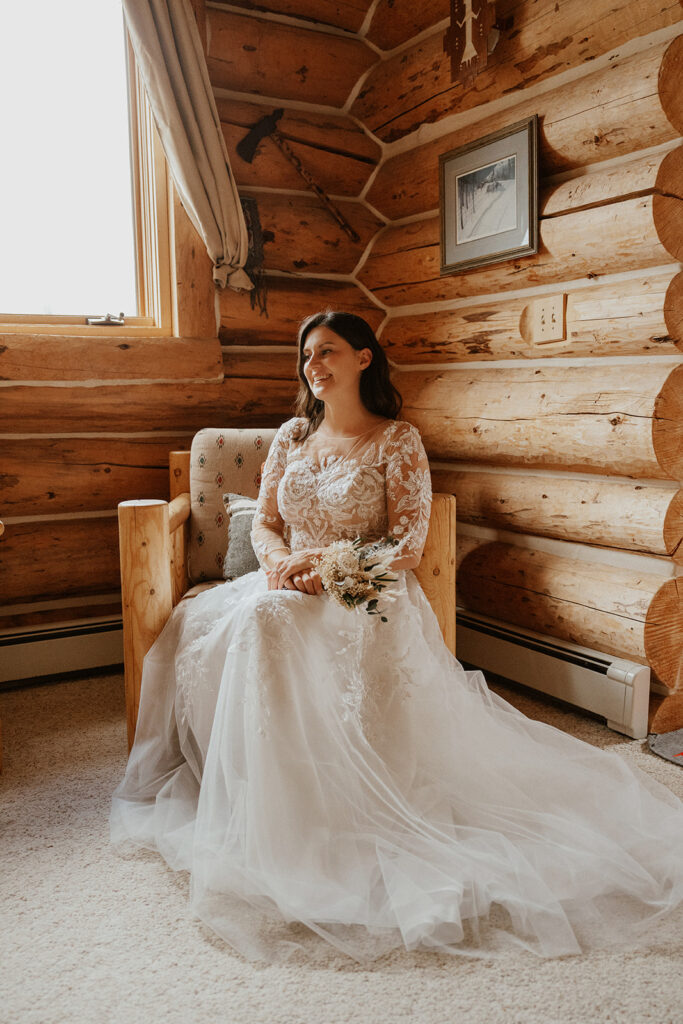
column 169, row 54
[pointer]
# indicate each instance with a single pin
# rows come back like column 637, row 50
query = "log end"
column 669, row 83
column 669, row 180
column 667, row 425
column 667, row 213
column 673, row 310
column 669, row 714
column 673, row 528
column 663, row 631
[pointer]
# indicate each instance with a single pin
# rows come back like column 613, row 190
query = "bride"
column 318, row 770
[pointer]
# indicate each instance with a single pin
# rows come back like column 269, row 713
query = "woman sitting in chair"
column 323, row 770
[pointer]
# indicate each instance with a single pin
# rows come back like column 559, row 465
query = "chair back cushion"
column 220, row 461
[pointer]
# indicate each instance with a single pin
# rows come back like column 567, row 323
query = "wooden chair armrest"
column 178, row 511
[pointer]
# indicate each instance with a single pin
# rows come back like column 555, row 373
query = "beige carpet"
column 90, row 937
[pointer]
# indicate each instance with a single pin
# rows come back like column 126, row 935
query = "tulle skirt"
column 319, row 772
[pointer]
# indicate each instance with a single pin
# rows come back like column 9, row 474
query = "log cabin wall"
column 566, row 458
column 556, row 452
column 86, row 422
column 307, row 59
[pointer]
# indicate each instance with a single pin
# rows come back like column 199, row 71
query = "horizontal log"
column 334, row 149
column 269, row 58
column 67, row 557
column 487, row 331
column 56, row 475
column 395, row 23
column 596, row 606
column 649, row 175
column 73, row 357
column 618, row 315
column 300, row 235
column 615, row 111
column 268, row 365
column 541, row 39
column 629, row 516
column 348, row 14
column 403, row 265
column 288, row 301
column 621, row 420
column 622, row 319
column 144, row 407
column 64, row 615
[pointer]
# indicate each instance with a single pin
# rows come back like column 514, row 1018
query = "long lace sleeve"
column 268, row 528
column 409, row 494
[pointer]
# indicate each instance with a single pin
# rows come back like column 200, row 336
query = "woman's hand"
column 307, row 581
column 296, row 571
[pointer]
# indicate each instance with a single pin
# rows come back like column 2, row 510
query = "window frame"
column 151, row 193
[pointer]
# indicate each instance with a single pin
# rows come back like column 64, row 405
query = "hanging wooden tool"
column 266, row 128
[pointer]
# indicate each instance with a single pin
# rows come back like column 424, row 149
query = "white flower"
column 354, row 573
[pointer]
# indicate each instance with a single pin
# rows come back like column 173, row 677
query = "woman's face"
column 332, row 367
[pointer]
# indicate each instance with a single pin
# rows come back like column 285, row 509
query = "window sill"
column 79, row 329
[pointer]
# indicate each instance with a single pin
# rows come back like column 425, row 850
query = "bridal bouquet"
column 353, row 572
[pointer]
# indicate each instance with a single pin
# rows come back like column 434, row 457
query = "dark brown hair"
column 377, row 393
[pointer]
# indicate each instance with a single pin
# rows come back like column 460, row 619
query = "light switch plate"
column 548, row 322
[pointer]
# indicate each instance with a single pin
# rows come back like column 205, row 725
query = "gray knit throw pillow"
column 240, row 558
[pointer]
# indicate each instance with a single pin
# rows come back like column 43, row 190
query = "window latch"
column 106, row 321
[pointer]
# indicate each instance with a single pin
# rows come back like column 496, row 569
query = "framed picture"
column 488, row 194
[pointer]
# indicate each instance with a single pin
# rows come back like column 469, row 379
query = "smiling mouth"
column 321, row 380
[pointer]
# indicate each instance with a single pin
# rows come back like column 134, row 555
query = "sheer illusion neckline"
column 322, row 452
column 352, row 437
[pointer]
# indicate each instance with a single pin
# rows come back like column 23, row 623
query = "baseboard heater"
column 51, row 650
column 616, row 689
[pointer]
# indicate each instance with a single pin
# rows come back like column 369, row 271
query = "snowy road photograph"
column 487, row 200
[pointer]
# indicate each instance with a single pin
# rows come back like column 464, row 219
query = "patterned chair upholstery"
column 220, row 461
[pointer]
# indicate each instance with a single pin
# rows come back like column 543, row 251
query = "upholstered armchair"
column 170, row 551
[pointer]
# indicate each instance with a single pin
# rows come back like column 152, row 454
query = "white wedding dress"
column 317, row 770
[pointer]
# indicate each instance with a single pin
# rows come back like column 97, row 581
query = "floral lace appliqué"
column 309, row 500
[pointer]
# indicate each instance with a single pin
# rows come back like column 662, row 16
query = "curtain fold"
column 170, row 57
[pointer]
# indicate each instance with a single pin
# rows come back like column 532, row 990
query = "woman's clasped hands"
column 296, row 571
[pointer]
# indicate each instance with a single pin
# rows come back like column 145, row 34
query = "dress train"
column 318, row 771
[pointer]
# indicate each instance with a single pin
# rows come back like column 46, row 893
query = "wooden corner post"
column 145, row 548
column 436, row 571
column 179, row 524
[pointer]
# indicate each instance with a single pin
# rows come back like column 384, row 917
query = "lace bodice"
column 319, row 490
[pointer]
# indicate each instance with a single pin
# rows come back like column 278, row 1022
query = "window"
column 83, row 196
